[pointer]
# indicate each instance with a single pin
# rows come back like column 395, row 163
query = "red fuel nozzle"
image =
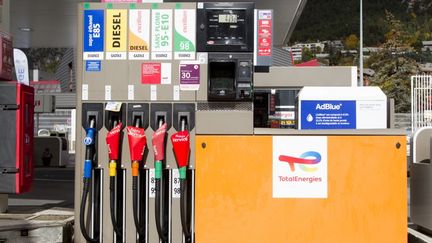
column 158, row 141
column 137, row 142
column 181, row 147
column 113, row 142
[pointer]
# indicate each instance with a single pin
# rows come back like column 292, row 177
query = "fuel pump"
column 137, row 143
column 181, row 148
column 113, row 144
column 158, row 142
column 91, row 124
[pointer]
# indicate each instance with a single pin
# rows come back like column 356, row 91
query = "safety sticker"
column 93, row 66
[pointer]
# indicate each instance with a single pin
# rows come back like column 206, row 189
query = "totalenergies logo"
column 304, row 161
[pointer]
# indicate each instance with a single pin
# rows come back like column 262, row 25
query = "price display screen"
column 227, row 18
column 226, row 27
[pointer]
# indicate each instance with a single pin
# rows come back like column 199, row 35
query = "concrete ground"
column 52, row 187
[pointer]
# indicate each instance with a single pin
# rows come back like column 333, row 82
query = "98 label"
column 175, row 183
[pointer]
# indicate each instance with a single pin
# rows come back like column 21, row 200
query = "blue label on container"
column 328, row 114
column 93, row 30
column 93, row 66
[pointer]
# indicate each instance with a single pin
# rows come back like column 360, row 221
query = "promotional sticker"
column 189, row 76
column 151, row 73
column 265, row 33
column 328, row 114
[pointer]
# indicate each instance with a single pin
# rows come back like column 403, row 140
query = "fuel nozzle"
column 158, row 142
column 113, row 142
column 89, row 142
column 137, row 142
column 181, row 147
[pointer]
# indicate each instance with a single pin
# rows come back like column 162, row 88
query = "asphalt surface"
column 52, row 187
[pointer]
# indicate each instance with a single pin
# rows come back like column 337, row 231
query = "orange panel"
column 366, row 193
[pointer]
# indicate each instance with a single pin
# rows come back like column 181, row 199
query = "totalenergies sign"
column 305, row 159
column 300, row 167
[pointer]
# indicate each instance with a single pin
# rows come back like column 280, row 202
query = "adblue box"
column 342, row 108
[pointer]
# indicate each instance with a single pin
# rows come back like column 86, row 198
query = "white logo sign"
column 300, row 167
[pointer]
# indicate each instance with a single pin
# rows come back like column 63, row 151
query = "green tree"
column 307, row 54
column 351, row 42
column 393, row 66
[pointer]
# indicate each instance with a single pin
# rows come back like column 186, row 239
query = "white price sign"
column 152, row 184
column 175, row 183
column 162, row 40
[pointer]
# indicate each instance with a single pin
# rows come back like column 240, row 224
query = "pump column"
column 114, row 115
column 138, row 122
column 160, row 121
column 90, row 224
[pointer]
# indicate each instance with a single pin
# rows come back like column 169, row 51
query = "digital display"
column 226, row 27
column 227, row 18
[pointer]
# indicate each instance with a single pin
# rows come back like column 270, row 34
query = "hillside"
column 337, row 19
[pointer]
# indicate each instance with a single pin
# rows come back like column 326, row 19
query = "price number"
column 152, row 184
column 175, row 184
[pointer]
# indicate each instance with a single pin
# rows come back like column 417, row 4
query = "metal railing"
column 421, row 101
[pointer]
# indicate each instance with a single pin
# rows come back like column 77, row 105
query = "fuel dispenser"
column 187, row 72
column 161, row 118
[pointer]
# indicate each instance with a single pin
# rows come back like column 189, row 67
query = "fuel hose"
column 137, row 143
column 158, row 142
column 181, row 148
column 113, row 144
column 89, row 142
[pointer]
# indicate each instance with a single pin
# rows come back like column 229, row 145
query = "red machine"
column 16, row 137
